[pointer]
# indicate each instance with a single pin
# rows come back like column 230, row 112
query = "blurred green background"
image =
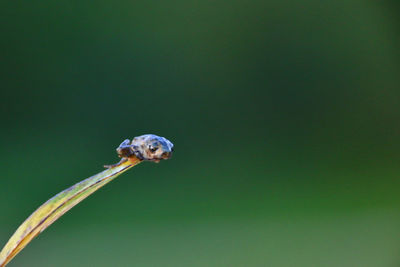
column 284, row 115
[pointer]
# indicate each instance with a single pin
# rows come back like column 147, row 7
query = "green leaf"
column 55, row 207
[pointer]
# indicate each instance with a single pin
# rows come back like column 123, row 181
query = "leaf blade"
column 57, row 206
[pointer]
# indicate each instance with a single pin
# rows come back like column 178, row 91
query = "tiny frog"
column 148, row 147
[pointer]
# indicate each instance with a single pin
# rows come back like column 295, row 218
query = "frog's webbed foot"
column 116, row 164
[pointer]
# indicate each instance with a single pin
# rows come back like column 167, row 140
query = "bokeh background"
column 284, row 115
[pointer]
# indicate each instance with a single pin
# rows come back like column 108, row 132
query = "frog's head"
column 152, row 147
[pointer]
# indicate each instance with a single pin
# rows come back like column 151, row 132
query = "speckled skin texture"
column 148, row 147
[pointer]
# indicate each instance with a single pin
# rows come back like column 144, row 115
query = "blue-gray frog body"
column 149, row 147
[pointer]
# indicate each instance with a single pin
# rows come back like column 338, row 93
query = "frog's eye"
column 153, row 148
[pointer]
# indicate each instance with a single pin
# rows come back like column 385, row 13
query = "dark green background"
column 284, row 114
